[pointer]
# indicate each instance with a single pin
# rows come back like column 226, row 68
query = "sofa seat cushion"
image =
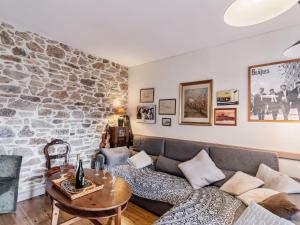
column 158, row 186
column 205, row 206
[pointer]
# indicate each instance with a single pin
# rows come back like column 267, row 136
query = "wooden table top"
column 98, row 201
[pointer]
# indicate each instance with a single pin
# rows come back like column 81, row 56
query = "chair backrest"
column 56, row 156
column 10, row 166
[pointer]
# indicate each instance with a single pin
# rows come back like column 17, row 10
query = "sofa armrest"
column 115, row 156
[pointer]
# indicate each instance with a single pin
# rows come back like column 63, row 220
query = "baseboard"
column 31, row 193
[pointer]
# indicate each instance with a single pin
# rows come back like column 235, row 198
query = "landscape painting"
column 196, row 103
column 226, row 117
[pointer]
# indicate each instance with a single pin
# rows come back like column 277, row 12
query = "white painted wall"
column 227, row 65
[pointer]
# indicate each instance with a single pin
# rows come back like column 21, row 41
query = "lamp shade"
column 120, row 111
column 250, row 12
column 293, row 51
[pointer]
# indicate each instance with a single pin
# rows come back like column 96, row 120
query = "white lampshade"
column 293, row 51
column 250, row 12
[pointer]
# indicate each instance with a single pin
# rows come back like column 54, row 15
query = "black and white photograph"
column 274, row 92
column 167, row 122
column 146, row 114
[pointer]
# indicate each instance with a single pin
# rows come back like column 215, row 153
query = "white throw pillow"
column 277, row 181
column 201, row 170
column 256, row 195
column 240, row 183
column 140, row 160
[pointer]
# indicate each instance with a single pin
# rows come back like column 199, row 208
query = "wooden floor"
column 38, row 211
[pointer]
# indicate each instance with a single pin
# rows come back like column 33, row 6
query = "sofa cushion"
column 228, row 174
column 243, row 160
column 183, row 150
column 280, row 205
column 140, row 160
column 151, row 145
column 167, row 165
column 256, row 195
column 201, row 170
column 240, row 183
column 277, row 181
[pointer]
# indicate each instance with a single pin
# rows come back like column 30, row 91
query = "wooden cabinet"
column 119, row 136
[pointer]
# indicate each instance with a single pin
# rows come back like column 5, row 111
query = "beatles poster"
column 274, row 92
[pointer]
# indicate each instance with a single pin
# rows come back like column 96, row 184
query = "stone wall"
column 51, row 90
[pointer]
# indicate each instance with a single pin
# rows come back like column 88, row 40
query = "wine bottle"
column 79, row 176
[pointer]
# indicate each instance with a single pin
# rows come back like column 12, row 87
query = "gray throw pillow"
column 169, row 166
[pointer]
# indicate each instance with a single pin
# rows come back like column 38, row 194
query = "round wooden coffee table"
column 94, row 206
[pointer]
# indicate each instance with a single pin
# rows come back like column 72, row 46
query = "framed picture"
column 166, row 122
column 196, row 103
column 146, row 114
column 228, row 97
column 147, row 95
column 274, row 92
column 226, row 117
column 167, row 107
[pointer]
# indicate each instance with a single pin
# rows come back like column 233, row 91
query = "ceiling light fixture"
column 293, row 51
column 250, row 12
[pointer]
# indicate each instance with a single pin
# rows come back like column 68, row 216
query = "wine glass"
column 105, row 168
column 97, row 168
column 62, row 166
column 113, row 180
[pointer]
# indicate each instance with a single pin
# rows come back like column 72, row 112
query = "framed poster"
column 226, row 117
column 147, row 95
column 196, row 103
column 167, row 107
column 166, row 122
column 146, row 114
column 228, row 97
column 274, row 92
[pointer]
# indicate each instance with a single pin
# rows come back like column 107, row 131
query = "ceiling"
column 133, row 32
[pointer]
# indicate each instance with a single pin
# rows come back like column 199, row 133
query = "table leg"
column 55, row 213
column 118, row 216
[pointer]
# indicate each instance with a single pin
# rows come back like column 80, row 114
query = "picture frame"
column 225, row 116
column 147, row 95
column 167, row 107
column 274, row 92
column 227, row 97
column 166, row 122
column 195, row 103
column 146, row 114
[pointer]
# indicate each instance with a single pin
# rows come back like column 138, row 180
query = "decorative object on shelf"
column 250, row 12
column 293, row 51
column 119, row 136
column 196, row 103
column 228, row 97
column 274, row 92
column 226, row 117
column 166, row 122
column 167, row 107
column 121, row 111
column 146, row 114
column 147, row 95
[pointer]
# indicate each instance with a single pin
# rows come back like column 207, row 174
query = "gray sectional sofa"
column 228, row 159
column 168, row 153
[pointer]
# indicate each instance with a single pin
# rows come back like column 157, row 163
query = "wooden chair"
column 53, row 170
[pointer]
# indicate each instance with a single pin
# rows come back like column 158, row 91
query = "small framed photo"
column 228, row 97
column 167, row 107
column 146, row 114
column 166, row 122
column 226, row 117
column 147, row 95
